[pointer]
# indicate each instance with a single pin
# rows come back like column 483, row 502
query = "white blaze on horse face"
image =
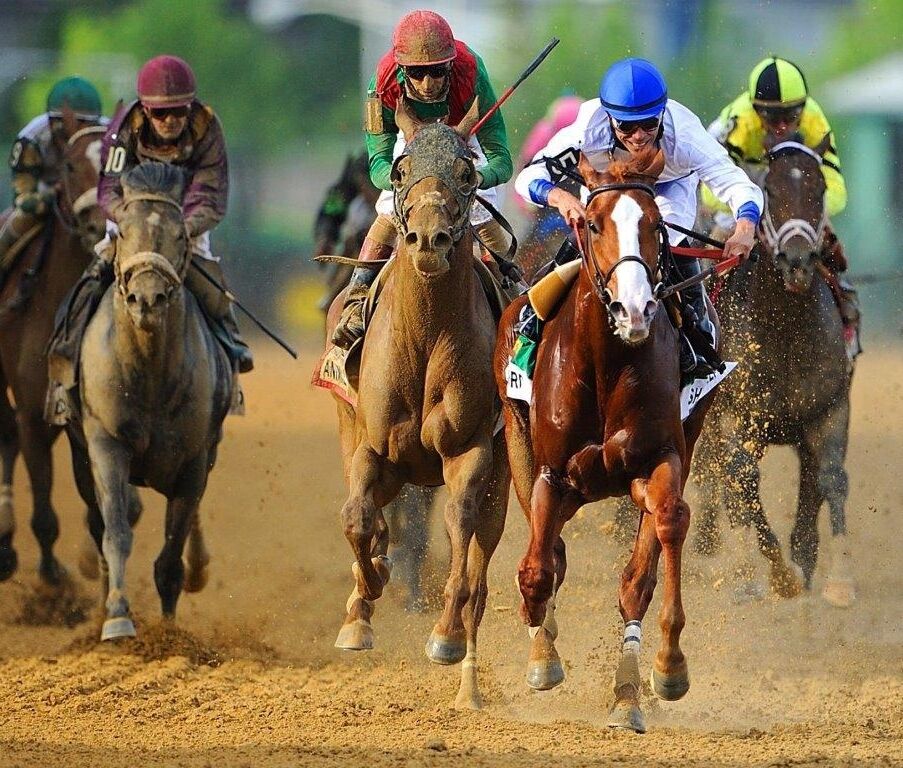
column 93, row 154
column 634, row 306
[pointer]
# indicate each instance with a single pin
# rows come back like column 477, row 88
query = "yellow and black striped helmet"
column 777, row 82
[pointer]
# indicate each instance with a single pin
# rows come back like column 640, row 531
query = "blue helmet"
column 633, row 89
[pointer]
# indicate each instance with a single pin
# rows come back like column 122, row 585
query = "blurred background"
column 288, row 79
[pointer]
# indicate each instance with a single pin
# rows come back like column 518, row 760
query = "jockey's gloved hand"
column 34, row 203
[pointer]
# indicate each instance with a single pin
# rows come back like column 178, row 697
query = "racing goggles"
column 630, row 127
column 421, row 71
column 161, row 113
column 776, row 115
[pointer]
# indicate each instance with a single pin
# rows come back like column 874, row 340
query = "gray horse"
column 155, row 388
column 792, row 386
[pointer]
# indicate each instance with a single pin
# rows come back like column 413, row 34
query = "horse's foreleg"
column 110, row 466
column 9, row 449
column 671, row 514
column 489, row 526
column 467, row 476
column 197, row 558
column 637, row 585
column 827, row 440
column 366, row 531
column 37, row 441
column 804, row 537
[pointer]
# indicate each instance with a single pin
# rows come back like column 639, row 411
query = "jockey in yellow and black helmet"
column 777, row 107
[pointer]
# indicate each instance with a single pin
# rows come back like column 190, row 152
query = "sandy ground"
column 249, row 676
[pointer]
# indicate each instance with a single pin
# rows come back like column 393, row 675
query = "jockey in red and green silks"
column 438, row 78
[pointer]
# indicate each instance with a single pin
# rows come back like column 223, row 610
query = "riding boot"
column 834, row 258
column 350, row 326
column 496, row 243
column 691, row 360
column 219, row 308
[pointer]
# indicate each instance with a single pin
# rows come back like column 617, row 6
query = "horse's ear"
column 469, row 120
column 656, row 164
column 406, row 120
column 824, row 145
column 591, row 177
column 400, row 169
column 70, row 121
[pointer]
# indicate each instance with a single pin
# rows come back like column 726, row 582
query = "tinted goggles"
column 629, row 127
column 775, row 115
column 419, row 72
column 161, row 113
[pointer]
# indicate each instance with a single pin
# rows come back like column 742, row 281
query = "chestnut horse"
column 793, row 384
column 35, row 286
column 426, row 410
column 605, row 421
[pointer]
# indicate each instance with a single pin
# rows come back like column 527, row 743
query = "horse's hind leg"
column 37, row 442
column 9, row 449
column 827, row 439
column 197, row 558
column 371, row 488
column 409, row 514
column 467, row 476
column 489, row 527
column 637, row 585
column 110, row 466
column 804, row 537
column 745, row 507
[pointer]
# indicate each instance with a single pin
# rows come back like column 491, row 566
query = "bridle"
column 778, row 237
column 600, row 279
column 69, row 217
column 401, row 208
column 150, row 261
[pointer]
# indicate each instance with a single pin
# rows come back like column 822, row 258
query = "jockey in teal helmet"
column 37, row 152
column 633, row 113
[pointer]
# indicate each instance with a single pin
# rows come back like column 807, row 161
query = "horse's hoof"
column 545, row 675
column 627, row 715
column 468, row 700
column 840, row 592
column 195, row 579
column 9, row 561
column 356, row 635
column 670, row 687
column 748, row 591
column 445, row 650
column 787, row 581
column 121, row 626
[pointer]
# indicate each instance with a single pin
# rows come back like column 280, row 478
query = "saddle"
column 337, row 369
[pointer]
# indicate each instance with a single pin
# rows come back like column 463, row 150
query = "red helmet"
column 166, row 81
column 422, row 38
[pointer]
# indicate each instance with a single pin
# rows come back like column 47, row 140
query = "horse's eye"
column 593, row 227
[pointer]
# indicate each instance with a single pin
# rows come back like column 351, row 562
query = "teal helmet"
column 76, row 93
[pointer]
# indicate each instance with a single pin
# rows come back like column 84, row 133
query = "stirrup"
column 350, row 326
column 237, row 403
column 57, row 408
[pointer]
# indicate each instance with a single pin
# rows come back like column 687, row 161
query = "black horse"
column 792, row 386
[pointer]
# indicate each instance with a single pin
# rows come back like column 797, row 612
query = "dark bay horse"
column 792, row 386
column 426, row 402
column 155, row 386
column 33, row 289
column 605, row 421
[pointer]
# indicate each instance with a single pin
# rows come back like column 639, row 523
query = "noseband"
column 778, row 237
column 151, row 261
column 599, row 278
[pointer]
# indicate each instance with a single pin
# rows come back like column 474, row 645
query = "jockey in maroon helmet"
column 168, row 124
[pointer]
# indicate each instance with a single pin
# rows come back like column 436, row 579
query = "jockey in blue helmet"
column 633, row 113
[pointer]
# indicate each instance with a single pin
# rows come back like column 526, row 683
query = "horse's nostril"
column 617, row 310
column 410, row 239
column 132, row 299
column 650, row 309
column 159, row 300
column 442, row 241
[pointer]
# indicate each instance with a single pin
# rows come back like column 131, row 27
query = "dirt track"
column 250, row 677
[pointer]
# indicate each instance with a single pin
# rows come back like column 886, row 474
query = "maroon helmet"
column 423, row 38
column 166, row 81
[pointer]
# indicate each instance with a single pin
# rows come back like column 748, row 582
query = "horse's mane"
column 643, row 166
column 154, row 178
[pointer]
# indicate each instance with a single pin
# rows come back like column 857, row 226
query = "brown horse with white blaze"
column 426, row 402
column 605, row 421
